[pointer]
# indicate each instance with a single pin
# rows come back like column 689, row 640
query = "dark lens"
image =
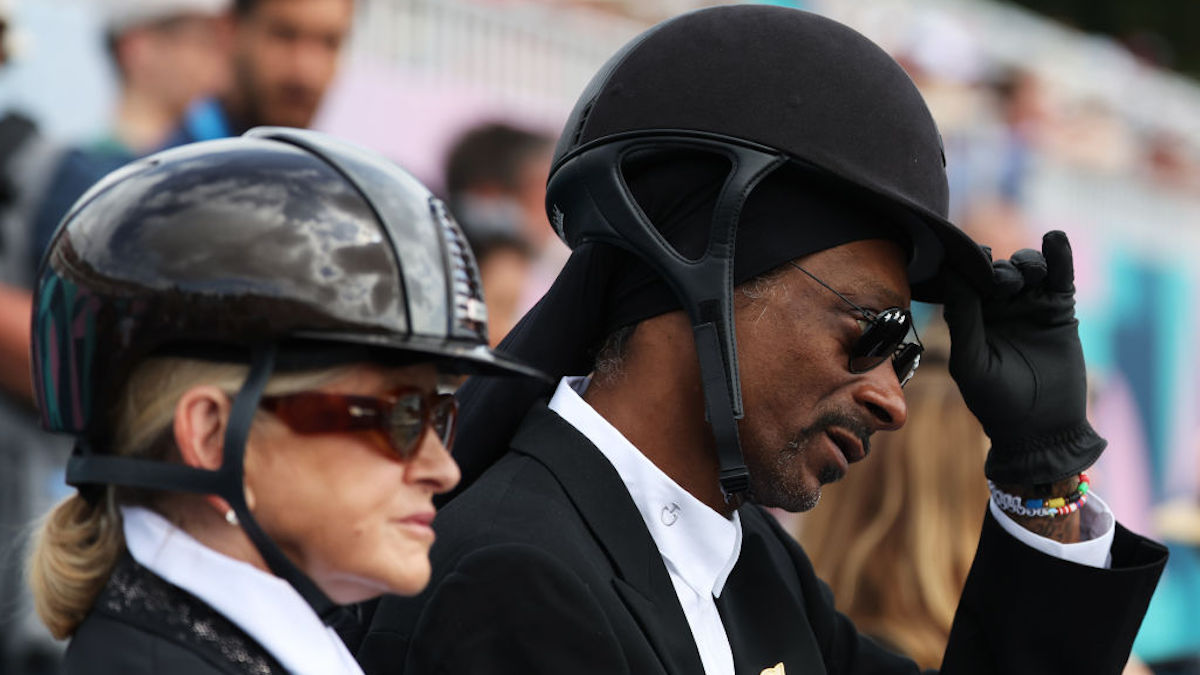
column 906, row 361
column 445, row 417
column 408, row 421
column 880, row 340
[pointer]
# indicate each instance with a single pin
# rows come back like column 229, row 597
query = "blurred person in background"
column 166, row 55
column 915, row 509
column 26, row 161
column 505, row 263
column 284, row 55
column 30, row 460
column 496, row 185
column 496, row 177
column 241, row 479
column 1169, row 640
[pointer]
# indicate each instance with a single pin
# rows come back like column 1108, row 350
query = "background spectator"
column 284, row 56
column 496, row 184
column 29, row 459
column 166, row 54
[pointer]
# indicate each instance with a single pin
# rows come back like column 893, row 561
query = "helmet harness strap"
column 593, row 186
column 85, row 469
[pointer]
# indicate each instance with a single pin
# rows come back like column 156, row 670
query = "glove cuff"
column 1038, row 460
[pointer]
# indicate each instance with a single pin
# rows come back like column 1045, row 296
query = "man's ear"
column 201, row 416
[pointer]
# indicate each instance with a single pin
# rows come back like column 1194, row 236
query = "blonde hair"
column 77, row 544
column 896, row 537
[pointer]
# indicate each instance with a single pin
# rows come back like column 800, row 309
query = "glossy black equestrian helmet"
column 214, row 247
column 283, row 249
column 764, row 87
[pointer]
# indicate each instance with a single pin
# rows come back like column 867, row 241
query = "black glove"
column 1017, row 360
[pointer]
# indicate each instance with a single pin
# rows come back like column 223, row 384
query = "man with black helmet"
column 753, row 195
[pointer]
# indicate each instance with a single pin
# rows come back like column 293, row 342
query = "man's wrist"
column 1062, row 528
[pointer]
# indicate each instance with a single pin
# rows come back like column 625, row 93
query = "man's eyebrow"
column 875, row 292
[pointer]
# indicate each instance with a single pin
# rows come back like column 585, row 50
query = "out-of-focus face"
column 532, row 197
column 286, row 55
column 807, row 417
column 343, row 506
column 179, row 60
column 505, row 276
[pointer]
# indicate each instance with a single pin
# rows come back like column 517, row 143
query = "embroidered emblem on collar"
column 670, row 514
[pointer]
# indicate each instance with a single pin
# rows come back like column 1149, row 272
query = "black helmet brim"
column 449, row 356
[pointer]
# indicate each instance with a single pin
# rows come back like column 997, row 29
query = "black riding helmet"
column 283, row 249
column 765, row 88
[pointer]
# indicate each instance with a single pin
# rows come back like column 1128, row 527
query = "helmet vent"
column 583, row 120
column 469, row 312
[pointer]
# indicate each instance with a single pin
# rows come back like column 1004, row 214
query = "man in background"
column 285, row 55
column 496, row 187
column 276, row 62
column 166, row 54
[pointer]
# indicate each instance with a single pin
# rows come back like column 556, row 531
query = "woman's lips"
column 423, row 518
column 419, row 525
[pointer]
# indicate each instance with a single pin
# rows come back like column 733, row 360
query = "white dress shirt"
column 700, row 546
column 266, row 607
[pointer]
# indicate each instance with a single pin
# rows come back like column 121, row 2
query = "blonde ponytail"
column 74, row 552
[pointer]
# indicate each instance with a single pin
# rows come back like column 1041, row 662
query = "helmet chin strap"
column 86, row 469
column 232, row 472
column 606, row 211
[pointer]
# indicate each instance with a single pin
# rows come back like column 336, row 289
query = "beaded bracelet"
column 1042, row 508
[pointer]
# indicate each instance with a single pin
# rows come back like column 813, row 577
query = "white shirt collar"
column 701, row 544
column 263, row 605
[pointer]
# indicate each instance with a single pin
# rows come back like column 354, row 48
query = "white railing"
column 513, row 50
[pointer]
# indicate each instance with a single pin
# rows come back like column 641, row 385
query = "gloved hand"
column 1017, row 360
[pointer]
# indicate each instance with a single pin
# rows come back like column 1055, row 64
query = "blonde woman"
column 247, row 339
column 914, row 510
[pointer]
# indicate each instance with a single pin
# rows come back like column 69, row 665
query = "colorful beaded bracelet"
column 1042, row 508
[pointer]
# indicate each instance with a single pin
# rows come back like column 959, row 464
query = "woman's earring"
column 231, row 518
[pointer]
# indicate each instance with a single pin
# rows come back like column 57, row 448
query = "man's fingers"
column 1031, row 264
column 963, row 312
column 1007, row 280
column 1060, row 264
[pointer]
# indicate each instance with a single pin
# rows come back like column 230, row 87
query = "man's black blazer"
column 544, row 565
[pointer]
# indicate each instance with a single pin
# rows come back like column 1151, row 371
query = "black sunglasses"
column 882, row 336
column 404, row 415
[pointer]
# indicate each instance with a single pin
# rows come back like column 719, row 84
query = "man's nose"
column 878, row 391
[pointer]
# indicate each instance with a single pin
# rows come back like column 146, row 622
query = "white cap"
column 121, row 15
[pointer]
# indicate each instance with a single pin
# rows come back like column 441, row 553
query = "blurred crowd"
column 1017, row 151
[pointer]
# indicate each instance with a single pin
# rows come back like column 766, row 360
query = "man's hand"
column 1017, row 360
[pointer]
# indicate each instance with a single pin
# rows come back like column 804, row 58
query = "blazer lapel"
column 596, row 490
column 762, row 612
